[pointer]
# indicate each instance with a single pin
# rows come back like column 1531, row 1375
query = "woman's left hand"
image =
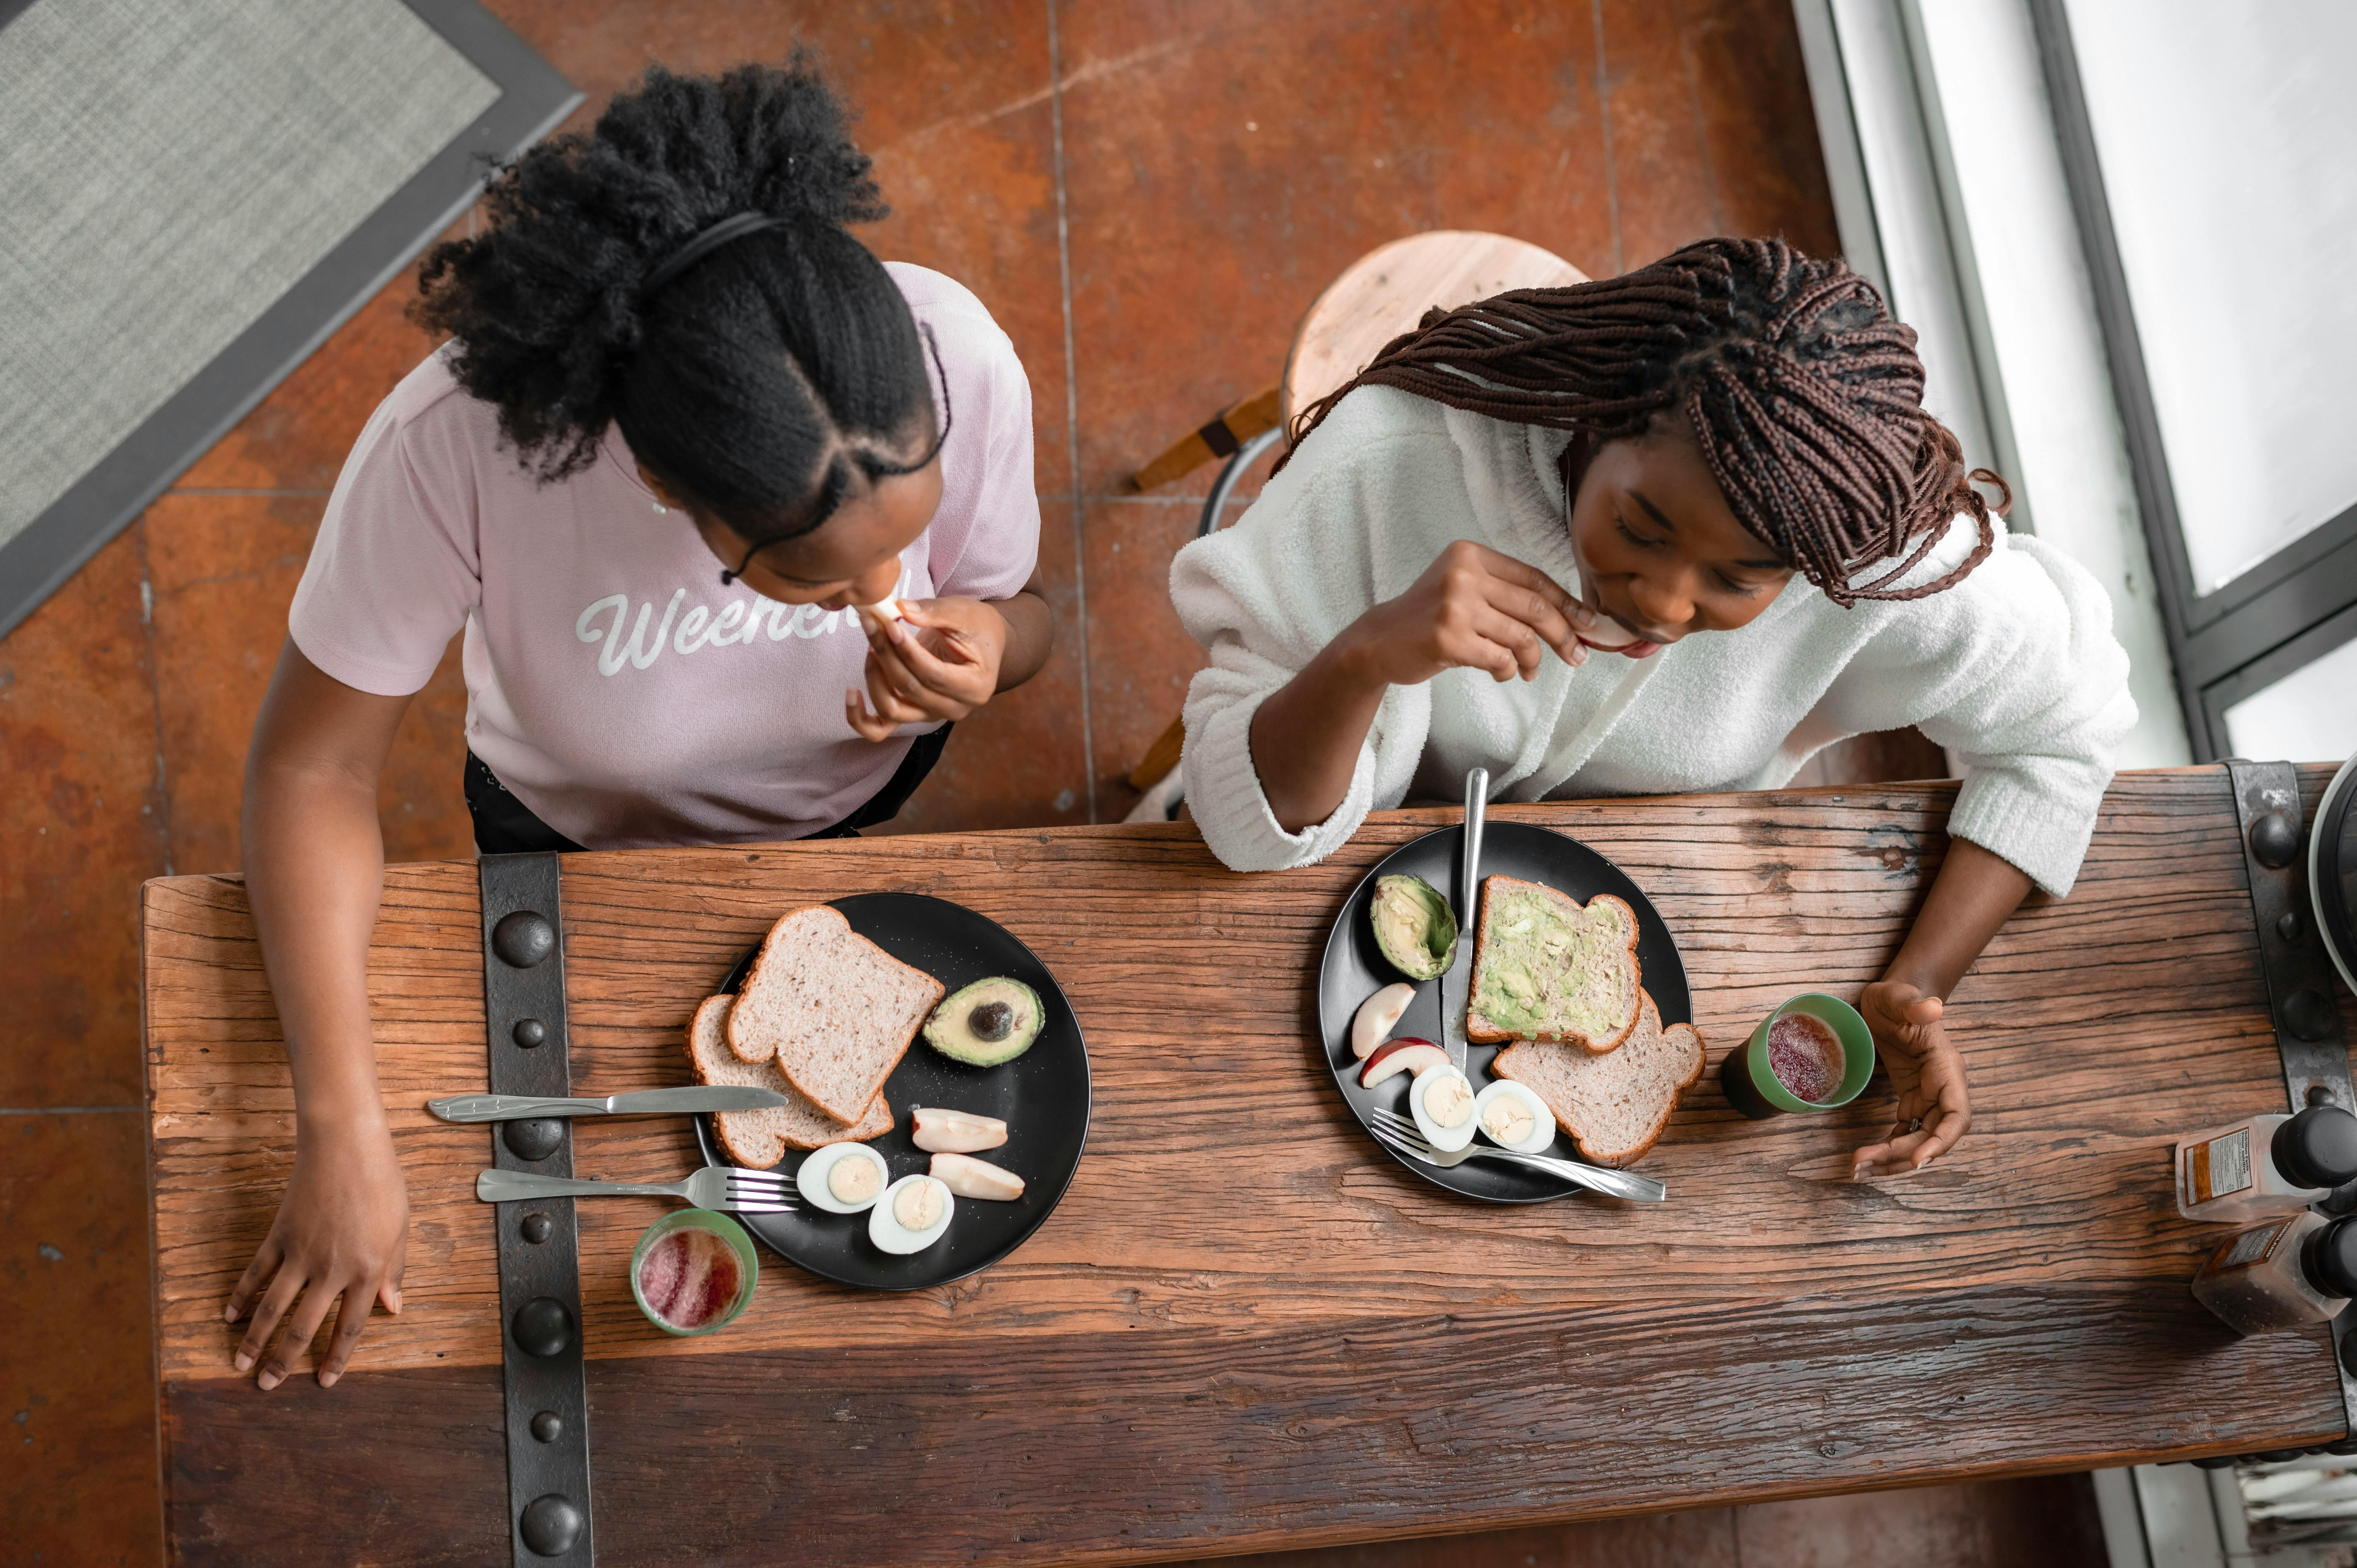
column 1934, row 1109
column 938, row 660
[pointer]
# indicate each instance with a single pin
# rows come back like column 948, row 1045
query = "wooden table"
column 1245, row 1329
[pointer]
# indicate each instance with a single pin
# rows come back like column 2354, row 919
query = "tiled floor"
column 1146, row 194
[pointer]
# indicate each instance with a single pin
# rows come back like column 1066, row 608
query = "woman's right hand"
column 342, row 1230
column 1473, row 608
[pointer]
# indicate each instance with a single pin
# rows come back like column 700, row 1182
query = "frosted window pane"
column 2309, row 715
column 2226, row 130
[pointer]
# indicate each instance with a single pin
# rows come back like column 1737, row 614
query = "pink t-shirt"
column 612, row 683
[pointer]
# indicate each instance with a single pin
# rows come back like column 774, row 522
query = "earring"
column 660, row 508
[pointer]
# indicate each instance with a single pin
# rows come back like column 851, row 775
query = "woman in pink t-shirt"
column 685, row 427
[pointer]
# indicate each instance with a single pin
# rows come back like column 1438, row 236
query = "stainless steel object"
column 715, row 1187
column 1401, row 1133
column 644, row 1102
column 1457, row 985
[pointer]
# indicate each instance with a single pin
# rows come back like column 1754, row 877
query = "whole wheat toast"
column 760, row 1138
column 1581, row 990
column 833, row 1010
column 1613, row 1106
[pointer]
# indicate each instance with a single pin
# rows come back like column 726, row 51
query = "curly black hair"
column 759, row 382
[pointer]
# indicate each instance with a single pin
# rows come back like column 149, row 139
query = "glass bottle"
column 2278, row 1276
column 2265, row 1165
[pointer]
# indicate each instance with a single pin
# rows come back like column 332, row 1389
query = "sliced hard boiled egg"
column 910, row 1216
column 1512, row 1116
column 1441, row 1099
column 842, row 1179
column 877, row 614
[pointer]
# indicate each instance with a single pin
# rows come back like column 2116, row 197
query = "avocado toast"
column 1546, row 967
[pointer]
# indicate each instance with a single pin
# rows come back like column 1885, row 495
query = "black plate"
column 1355, row 970
column 1041, row 1095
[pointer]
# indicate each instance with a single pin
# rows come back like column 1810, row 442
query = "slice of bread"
column 833, row 1010
column 1546, row 967
column 760, row 1138
column 1614, row 1106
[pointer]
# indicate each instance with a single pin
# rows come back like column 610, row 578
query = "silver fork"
column 1400, row 1132
column 713, row 1187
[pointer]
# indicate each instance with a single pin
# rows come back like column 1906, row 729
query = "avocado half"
column 989, row 1022
column 1415, row 927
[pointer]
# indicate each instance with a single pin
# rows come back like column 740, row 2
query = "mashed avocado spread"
column 1546, row 970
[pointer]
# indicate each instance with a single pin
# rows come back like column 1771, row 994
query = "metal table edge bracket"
column 538, row 1242
column 2300, row 1004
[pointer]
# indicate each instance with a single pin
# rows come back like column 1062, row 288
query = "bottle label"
column 2219, row 1168
column 2250, row 1247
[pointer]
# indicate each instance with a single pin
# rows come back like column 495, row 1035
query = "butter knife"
column 1457, row 985
column 644, row 1102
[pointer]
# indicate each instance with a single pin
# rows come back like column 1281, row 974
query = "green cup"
column 748, row 1264
column 1752, row 1086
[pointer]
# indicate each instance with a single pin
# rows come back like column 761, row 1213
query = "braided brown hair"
column 1804, row 395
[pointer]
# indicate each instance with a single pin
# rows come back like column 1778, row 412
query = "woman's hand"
column 1934, row 1109
column 938, row 660
column 342, row 1230
column 1473, row 608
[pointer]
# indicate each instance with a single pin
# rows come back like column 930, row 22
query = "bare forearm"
column 315, row 870
column 1975, row 892
column 1030, row 637
column 1307, row 734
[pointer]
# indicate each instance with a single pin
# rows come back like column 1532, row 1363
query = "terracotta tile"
column 296, row 437
column 953, row 103
column 1659, row 171
column 1758, row 128
column 1021, row 761
column 224, row 569
column 1221, row 171
column 1702, row 1538
column 82, row 824
column 2046, row 1522
column 1140, row 658
column 77, row 1365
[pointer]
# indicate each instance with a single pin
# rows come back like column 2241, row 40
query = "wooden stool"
column 1379, row 297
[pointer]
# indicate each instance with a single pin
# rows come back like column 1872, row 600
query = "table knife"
column 645, row 1102
column 1457, row 985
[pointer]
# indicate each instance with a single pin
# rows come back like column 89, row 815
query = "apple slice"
column 1408, row 1054
column 1378, row 1015
column 1608, row 635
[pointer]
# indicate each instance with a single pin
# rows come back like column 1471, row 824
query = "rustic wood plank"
column 1227, row 1200
column 2078, row 1022
column 958, row 1451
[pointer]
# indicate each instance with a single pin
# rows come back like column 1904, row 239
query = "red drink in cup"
column 689, row 1278
column 694, row 1272
column 1806, row 1057
column 1814, row 1053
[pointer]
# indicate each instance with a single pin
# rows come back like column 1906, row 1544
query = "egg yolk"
column 854, row 1179
column 1508, row 1120
column 917, row 1205
column 1449, row 1101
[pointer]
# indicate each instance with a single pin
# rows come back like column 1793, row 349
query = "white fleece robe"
column 2015, row 668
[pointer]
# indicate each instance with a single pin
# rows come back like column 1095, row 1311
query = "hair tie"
column 703, row 242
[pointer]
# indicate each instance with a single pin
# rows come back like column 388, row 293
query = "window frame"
column 2270, row 619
